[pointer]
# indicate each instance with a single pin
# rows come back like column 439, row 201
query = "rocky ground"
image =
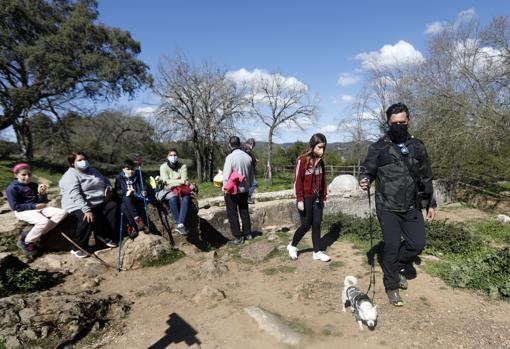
column 254, row 296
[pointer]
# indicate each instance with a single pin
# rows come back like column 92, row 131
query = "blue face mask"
column 82, row 164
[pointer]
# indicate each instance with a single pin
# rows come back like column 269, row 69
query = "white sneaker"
column 321, row 256
column 292, row 251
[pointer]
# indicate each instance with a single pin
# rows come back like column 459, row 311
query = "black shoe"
column 251, row 201
column 408, row 271
column 248, row 237
column 111, row 243
column 236, row 241
column 394, row 298
column 403, row 284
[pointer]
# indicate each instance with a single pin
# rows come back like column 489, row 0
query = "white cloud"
column 245, row 77
column 466, row 14
column 435, row 27
column 147, row 110
column 347, row 79
column 347, row 98
column 390, row 56
column 328, row 129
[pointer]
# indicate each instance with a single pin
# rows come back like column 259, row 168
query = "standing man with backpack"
column 399, row 165
column 237, row 180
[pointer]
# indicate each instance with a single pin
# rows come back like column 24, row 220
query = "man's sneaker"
column 248, row 237
column 394, row 298
column 321, row 256
column 293, row 251
column 236, row 241
column 251, row 201
column 140, row 225
column 79, row 254
column 110, row 243
column 402, row 282
column 28, row 248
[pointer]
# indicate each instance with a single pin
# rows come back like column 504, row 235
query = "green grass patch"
column 281, row 269
column 492, row 229
column 170, row 256
column 26, row 280
column 7, row 244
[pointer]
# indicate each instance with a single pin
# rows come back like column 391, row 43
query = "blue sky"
column 313, row 41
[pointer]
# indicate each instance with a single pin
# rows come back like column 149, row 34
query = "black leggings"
column 104, row 225
column 310, row 217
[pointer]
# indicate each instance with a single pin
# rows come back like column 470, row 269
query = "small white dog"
column 361, row 305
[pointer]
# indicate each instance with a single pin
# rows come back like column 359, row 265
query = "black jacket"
column 403, row 181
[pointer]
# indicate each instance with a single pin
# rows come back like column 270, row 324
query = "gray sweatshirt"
column 241, row 162
column 82, row 190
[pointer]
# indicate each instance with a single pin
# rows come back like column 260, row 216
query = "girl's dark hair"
column 314, row 140
column 172, row 150
column 71, row 157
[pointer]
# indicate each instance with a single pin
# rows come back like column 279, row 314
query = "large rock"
column 273, row 325
column 143, row 247
column 503, row 218
column 265, row 216
column 344, row 184
column 212, row 268
column 52, row 319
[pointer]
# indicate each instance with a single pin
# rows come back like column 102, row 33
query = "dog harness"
column 354, row 299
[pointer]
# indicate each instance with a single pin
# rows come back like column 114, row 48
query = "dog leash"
column 371, row 230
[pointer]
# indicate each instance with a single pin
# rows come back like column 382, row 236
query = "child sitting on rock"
column 128, row 187
column 28, row 201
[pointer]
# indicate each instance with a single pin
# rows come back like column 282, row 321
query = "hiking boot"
column 27, row 248
column 321, row 256
column 236, row 241
column 394, row 298
column 408, row 271
column 140, row 225
column 293, row 251
column 402, row 283
column 79, row 254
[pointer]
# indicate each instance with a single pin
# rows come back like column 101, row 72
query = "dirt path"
column 306, row 294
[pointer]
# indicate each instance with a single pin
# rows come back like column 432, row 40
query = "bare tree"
column 276, row 100
column 198, row 103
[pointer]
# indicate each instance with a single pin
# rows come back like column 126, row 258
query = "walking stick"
column 144, row 201
column 120, row 240
column 85, row 251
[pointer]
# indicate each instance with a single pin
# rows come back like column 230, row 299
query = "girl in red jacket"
column 311, row 194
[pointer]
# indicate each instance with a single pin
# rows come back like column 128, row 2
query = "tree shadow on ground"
column 178, row 331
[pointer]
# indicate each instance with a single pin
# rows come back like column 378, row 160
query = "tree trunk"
column 24, row 137
column 210, row 163
column 198, row 157
column 269, row 177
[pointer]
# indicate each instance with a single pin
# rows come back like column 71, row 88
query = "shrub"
column 170, row 256
column 445, row 238
column 26, row 280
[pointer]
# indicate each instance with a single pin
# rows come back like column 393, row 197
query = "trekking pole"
column 144, row 201
column 120, row 240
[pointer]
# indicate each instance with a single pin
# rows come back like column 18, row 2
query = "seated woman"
column 174, row 176
column 86, row 195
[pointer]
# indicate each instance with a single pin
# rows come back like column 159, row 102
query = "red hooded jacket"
column 305, row 173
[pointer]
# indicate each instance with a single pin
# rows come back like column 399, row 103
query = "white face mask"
column 172, row 159
column 128, row 173
column 82, row 164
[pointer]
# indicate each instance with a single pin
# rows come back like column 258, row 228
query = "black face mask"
column 397, row 133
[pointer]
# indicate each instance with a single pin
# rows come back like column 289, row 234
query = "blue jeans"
column 179, row 207
column 252, row 188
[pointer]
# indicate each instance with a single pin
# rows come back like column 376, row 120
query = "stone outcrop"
column 274, row 326
column 53, row 319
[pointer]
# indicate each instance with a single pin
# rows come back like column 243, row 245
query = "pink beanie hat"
column 19, row 167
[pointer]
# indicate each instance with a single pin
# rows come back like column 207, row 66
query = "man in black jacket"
column 399, row 165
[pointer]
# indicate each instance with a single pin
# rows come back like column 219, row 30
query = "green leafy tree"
column 55, row 52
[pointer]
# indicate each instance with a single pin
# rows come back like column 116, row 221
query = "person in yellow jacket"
column 174, row 175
